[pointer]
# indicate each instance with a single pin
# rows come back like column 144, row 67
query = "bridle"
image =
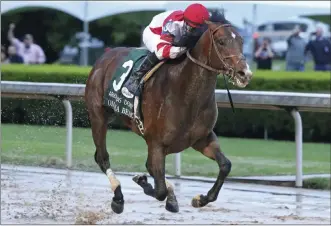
column 227, row 70
column 230, row 71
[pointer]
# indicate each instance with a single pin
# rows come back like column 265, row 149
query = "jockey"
column 166, row 37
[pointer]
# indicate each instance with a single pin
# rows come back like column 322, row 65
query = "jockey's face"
column 188, row 29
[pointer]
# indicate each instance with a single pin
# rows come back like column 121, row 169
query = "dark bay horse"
column 178, row 107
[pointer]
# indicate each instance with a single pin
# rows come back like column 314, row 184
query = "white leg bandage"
column 169, row 185
column 114, row 183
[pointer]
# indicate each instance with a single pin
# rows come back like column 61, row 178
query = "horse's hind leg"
column 171, row 203
column 99, row 120
column 209, row 147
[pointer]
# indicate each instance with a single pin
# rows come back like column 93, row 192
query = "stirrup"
column 132, row 83
column 138, row 89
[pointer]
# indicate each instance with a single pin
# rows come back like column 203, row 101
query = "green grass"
column 317, row 183
column 45, row 146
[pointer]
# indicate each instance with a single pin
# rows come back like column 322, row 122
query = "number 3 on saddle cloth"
column 118, row 99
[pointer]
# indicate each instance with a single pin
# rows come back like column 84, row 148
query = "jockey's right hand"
column 178, row 50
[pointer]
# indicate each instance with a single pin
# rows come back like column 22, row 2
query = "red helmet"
column 195, row 14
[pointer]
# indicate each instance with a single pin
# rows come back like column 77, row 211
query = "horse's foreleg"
column 156, row 168
column 162, row 188
column 209, row 147
column 141, row 180
column 99, row 119
column 171, row 203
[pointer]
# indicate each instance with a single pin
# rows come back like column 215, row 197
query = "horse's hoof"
column 199, row 201
column 140, row 179
column 172, row 205
column 117, row 206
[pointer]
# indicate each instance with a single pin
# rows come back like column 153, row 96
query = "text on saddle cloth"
column 119, row 99
column 116, row 98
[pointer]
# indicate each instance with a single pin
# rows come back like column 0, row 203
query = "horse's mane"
column 218, row 16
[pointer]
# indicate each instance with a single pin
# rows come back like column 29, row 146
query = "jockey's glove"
column 178, row 50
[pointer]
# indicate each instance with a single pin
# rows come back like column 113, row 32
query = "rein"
column 227, row 69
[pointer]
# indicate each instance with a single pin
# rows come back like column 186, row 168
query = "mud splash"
column 47, row 196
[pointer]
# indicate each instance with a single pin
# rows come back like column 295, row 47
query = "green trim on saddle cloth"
column 121, row 102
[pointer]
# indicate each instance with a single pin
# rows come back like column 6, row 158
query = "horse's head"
column 223, row 46
column 227, row 53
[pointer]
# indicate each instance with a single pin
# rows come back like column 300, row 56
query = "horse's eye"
column 221, row 41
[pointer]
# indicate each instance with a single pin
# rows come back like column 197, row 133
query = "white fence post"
column 68, row 109
column 298, row 143
column 177, row 165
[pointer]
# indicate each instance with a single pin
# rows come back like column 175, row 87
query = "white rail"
column 289, row 101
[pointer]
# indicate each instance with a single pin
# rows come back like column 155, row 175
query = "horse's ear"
column 210, row 25
column 208, row 22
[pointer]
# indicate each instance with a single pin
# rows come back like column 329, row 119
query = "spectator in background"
column 264, row 55
column 31, row 52
column 295, row 56
column 256, row 41
column 320, row 49
column 13, row 57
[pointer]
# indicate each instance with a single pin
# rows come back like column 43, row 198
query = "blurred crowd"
column 21, row 52
column 298, row 52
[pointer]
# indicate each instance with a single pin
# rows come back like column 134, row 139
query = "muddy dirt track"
column 49, row 196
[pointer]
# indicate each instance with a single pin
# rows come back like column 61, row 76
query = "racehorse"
column 178, row 106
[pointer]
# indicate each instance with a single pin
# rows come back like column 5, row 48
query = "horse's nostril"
column 241, row 73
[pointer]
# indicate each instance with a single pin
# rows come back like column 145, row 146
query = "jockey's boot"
column 133, row 82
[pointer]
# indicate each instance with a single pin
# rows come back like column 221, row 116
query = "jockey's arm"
column 174, row 44
column 173, row 32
